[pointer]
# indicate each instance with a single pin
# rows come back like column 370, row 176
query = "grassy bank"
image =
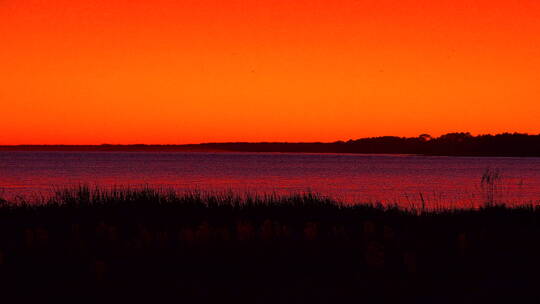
column 111, row 245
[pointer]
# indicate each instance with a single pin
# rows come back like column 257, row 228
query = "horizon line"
column 260, row 142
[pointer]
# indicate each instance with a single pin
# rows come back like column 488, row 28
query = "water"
column 402, row 179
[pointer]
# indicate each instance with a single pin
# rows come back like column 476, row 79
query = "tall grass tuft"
column 491, row 185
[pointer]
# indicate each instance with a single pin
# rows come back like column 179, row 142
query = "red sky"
column 173, row 72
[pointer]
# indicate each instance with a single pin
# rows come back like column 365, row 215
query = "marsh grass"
column 491, row 184
column 134, row 244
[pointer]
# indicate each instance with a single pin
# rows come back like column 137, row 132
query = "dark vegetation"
column 122, row 245
column 452, row 144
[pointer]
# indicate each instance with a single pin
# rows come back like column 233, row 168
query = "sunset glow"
column 175, row 72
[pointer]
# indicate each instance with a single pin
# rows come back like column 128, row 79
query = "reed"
column 244, row 247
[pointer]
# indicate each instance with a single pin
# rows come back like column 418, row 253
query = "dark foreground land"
column 155, row 246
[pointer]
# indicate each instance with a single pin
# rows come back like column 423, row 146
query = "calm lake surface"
column 441, row 181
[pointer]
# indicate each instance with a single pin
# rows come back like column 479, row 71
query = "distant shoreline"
column 109, row 148
column 452, row 144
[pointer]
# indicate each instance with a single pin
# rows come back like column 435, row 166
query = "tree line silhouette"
column 455, row 144
column 451, row 144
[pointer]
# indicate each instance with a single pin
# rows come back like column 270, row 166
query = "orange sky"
column 138, row 71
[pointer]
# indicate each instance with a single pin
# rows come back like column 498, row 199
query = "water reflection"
column 404, row 180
